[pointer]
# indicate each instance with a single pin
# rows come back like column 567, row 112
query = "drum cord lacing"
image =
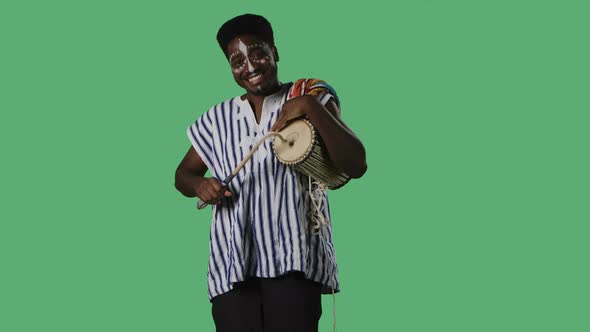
column 319, row 227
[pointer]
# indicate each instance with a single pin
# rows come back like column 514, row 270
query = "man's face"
column 253, row 64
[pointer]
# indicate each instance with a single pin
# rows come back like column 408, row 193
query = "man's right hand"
column 210, row 190
column 190, row 180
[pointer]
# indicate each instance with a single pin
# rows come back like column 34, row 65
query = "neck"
column 256, row 101
column 259, row 98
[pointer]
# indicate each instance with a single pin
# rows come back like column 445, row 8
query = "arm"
column 345, row 150
column 190, row 180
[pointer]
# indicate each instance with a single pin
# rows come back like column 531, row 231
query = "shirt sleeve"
column 200, row 134
column 325, row 97
column 315, row 87
column 324, row 93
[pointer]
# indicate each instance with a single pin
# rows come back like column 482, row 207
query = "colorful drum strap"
column 311, row 86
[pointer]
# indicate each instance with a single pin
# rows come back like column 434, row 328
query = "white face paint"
column 244, row 49
column 243, row 60
column 248, row 54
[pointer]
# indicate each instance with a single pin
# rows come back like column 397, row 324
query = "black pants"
column 288, row 303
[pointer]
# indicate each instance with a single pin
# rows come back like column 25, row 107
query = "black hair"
column 244, row 24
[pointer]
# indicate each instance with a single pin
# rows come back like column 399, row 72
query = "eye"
column 257, row 54
column 236, row 61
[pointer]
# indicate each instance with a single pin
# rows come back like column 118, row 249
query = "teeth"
column 254, row 77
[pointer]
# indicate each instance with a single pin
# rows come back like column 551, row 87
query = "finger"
column 222, row 189
column 205, row 198
column 216, row 184
column 227, row 193
column 203, row 193
column 219, row 194
column 278, row 126
column 211, row 195
column 278, row 122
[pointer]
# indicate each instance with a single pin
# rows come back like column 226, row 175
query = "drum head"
column 300, row 139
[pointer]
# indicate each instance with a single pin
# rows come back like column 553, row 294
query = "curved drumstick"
column 227, row 180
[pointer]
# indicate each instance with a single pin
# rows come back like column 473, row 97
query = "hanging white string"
column 320, row 228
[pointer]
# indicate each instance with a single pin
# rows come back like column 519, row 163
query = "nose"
column 250, row 66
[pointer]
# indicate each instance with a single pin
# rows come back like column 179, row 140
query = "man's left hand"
column 293, row 109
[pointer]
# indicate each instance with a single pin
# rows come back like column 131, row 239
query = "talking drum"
column 304, row 151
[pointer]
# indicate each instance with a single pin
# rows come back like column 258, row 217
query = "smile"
column 254, row 79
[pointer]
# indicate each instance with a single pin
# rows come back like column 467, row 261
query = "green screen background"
column 473, row 215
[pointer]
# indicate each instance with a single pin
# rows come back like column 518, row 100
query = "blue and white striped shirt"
column 264, row 228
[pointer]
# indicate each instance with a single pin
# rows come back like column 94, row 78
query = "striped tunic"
column 264, row 228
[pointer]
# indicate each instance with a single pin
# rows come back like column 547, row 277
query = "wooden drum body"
column 305, row 152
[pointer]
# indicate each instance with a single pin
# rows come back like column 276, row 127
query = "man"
column 267, row 268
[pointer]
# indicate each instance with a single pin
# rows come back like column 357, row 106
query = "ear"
column 275, row 53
